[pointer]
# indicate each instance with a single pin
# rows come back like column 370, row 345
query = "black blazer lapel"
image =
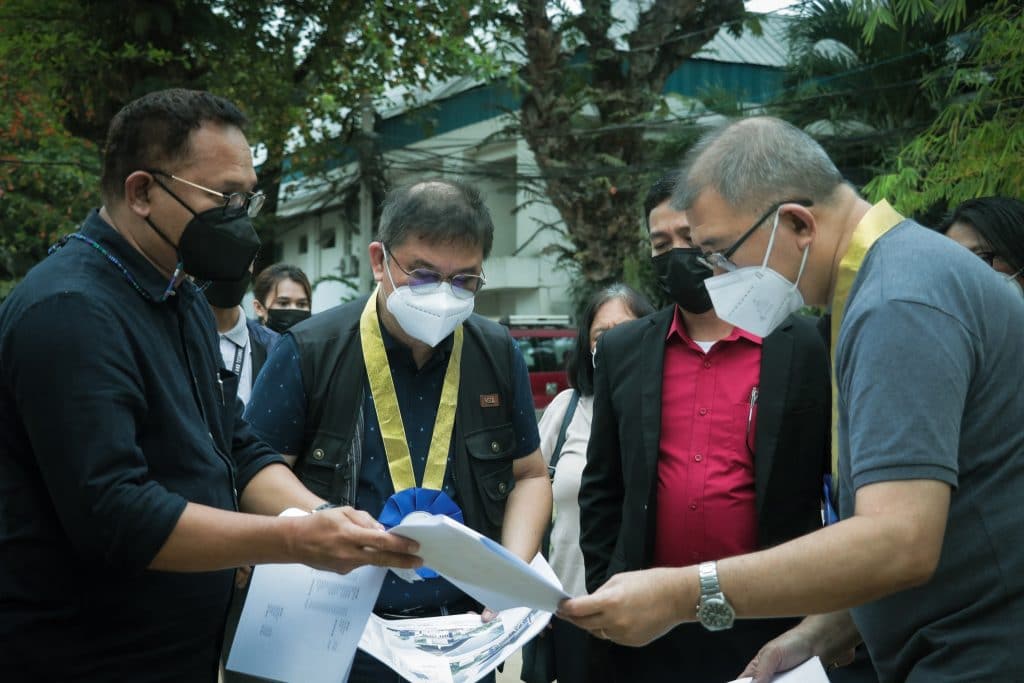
column 773, row 385
column 652, row 365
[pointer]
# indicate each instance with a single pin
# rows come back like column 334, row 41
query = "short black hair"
column 154, row 130
column 440, row 210
column 999, row 221
column 266, row 282
column 661, row 190
column 581, row 368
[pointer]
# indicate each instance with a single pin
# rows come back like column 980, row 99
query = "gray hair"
column 441, row 211
column 753, row 163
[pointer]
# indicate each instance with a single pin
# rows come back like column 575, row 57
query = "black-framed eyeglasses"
column 426, row 281
column 720, row 259
column 235, row 204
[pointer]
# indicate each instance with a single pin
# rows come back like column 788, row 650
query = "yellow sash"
column 392, row 430
column 879, row 219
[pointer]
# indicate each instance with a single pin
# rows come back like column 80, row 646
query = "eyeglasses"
column 235, row 204
column 720, row 260
column 426, row 281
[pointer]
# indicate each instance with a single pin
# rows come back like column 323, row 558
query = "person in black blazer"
column 625, row 470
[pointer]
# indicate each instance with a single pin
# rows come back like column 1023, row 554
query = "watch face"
column 716, row 614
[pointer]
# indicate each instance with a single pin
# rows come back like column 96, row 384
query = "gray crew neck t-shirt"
column 929, row 368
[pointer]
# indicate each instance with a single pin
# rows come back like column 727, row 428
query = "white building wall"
column 521, row 280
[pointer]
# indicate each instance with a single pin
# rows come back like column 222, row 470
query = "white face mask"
column 756, row 298
column 427, row 317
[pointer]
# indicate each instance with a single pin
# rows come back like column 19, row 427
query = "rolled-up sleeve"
column 80, row 395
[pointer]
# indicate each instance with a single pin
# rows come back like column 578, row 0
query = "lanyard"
column 168, row 291
column 385, row 399
column 876, row 222
column 236, row 366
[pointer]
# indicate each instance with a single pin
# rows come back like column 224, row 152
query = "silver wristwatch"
column 714, row 611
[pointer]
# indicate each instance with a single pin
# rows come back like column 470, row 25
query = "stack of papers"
column 480, row 567
column 301, row 624
column 810, row 671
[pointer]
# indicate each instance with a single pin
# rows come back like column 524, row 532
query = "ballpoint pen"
column 750, row 412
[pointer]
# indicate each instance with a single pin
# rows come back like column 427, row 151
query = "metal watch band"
column 708, row 573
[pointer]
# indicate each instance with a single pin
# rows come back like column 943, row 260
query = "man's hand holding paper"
column 341, row 539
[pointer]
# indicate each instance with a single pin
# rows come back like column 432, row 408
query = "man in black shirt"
column 123, row 455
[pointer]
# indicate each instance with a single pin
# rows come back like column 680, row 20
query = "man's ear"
column 804, row 224
column 376, row 250
column 137, row 188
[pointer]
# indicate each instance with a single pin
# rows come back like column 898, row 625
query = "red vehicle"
column 546, row 342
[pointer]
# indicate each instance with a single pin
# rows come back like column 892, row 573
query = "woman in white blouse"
column 577, row 655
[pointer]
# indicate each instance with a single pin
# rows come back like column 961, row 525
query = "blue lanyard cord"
column 113, row 259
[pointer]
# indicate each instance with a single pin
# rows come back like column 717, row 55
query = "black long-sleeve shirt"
column 114, row 413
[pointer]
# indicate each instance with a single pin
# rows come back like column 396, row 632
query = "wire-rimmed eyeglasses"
column 235, row 204
column 426, row 281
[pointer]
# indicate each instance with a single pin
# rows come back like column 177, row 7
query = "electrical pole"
column 365, row 275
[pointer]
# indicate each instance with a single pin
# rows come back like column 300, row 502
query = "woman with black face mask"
column 282, row 296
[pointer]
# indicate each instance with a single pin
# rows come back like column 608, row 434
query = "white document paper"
column 810, row 671
column 478, row 566
column 455, row 649
column 302, row 624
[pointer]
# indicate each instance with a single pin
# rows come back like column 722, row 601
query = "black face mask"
column 682, row 276
column 280, row 320
column 227, row 293
column 214, row 245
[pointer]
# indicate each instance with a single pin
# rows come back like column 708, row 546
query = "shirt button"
column 502, row 487
column 703, row 411
column 707, row 364
column 318, row 454
column 693, row 506
column 495, row 447
column 698, row 457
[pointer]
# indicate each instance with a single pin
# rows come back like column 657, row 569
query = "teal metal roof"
column 748, row 66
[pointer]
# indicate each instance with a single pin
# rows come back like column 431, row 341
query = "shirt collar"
column 679, row 329
column 145, row 274
column 239, row 334
column 879, row 219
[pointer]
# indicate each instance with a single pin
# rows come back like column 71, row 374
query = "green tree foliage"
column 592, row 86
column 859, row 94
column 974, row 145
column 47, row 175
column 299, row 68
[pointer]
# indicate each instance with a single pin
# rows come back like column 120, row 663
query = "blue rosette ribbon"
column 419, row 500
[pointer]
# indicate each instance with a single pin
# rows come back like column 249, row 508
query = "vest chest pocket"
column 325, row 468
column 490, row 462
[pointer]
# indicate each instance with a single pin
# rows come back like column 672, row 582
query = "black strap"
column 236, row 366
column 545, row 542
column 557, row 453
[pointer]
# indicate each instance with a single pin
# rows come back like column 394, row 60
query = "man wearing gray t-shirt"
column 927, row 562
